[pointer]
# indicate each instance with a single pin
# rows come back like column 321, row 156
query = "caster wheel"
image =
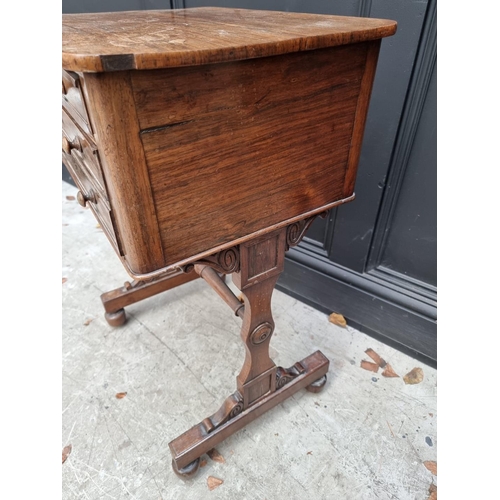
column 188, row 471
column 317, row 385
column 117, row 318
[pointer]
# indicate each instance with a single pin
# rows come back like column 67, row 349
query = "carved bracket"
column 228, row 261
column 232, row 406
column 296, row 231
column 285, row 375
column 224, row 262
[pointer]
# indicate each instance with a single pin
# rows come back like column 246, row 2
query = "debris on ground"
column 216, row 456
column 64, row 280
column 88, row 321
column 368, row 365
column 431, row 466
column 70, row 198
column 433, row 492
column 389, row 372
column 121, row 395
column 203, row 462
column 380, row 361
column 66, row 452
column 390, row 428
column 414, row 376
column 213, row 482
column 337, row 319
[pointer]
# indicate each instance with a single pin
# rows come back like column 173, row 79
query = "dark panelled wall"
column 374, row 259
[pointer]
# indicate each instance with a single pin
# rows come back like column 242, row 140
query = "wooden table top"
column 153, row 39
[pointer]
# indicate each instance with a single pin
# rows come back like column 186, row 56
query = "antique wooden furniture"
column 207, row 140
column 116, row 300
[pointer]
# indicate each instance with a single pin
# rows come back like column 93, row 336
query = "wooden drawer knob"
column 68, row 145
column 84, row 198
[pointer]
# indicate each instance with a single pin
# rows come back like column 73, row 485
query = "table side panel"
column 272, row 135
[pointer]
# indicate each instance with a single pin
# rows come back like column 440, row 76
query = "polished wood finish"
column 239, row 129
column 119, row 41
column 235, row 123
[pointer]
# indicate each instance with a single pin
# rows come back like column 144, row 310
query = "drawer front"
column 78, row 144
column 73, row 101
column 95, row 199
column 82, row 161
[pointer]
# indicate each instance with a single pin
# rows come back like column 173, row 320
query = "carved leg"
column 261, row 385
column 261, row 264
column 130, row 293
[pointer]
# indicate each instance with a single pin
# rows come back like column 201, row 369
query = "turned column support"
column 219, row 285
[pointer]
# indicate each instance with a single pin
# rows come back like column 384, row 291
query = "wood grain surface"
column 114, row 116
column 273, row 135
column 234, row 148
column 115, row 41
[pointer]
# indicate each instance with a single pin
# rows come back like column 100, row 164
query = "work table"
column 206, row 141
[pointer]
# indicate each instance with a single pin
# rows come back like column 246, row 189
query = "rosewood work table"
column 206, row 141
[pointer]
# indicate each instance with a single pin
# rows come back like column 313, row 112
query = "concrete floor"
column 364, row 437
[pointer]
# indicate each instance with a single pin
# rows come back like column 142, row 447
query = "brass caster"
column 117, row 318
column 317, row 385
column 188, row 471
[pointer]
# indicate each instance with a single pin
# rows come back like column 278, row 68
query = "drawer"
column 78, row 144
column 73, row 100
column 91, row 197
